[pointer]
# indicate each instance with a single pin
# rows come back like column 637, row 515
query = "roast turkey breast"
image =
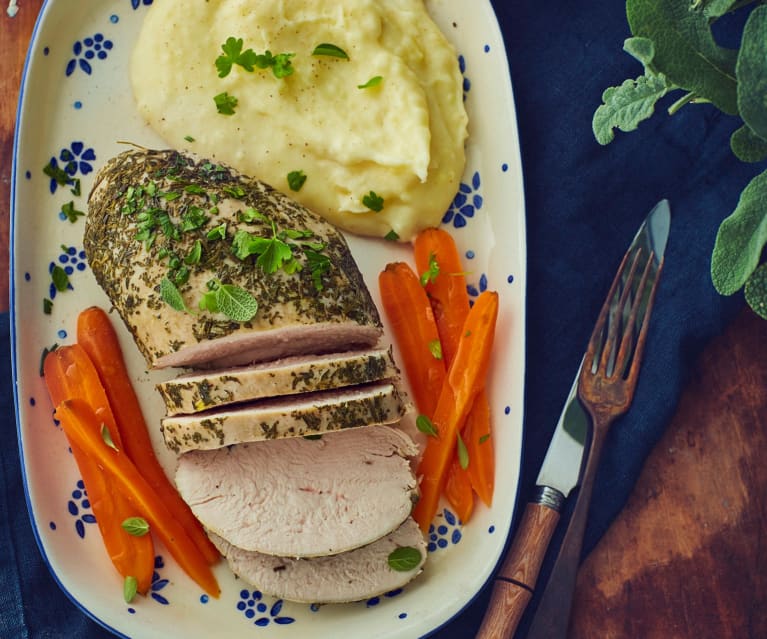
column 165, row 231
column 303, row 497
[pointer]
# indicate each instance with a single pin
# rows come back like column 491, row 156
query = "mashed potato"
column 403, row 139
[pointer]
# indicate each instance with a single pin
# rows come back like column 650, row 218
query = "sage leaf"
column 171, row 295
column 756, row 291
column 625, row 106
column 751, row 72
column 136, row 526
column 715, row 8
column 747, row 145
column 332, row 50
column 404, row 558
column 641, row 49
column 685, row 49
column 741, row 238
column 236, row 303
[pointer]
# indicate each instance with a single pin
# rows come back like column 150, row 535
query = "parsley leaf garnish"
column 331, row 50
column 296, row 180
column 280, row 64
column 373, row 201
column 463, row 452
column 431, row 273
column 435, row 348
column 233, row 54
column 391, row 236
column 225, row 103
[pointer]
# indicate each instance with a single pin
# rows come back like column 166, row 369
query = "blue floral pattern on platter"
column 466, row 203
column 252, row 606
column 75, row 159
column 87, row 51
column 79, row 507
column 137, row 3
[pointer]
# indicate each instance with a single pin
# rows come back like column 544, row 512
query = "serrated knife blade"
column 559, row 475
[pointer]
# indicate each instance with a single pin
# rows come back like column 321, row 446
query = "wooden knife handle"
column 515, row 581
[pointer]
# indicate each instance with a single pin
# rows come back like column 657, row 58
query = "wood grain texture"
column 14, row 39
column 518, row 574
column 686, row 558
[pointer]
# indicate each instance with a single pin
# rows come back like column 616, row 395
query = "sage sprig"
column 674, row 42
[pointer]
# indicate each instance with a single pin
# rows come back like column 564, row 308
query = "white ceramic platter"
column 75, row 107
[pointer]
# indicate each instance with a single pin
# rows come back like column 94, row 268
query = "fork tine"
column 639, row 350
column 627, row 341
column 612, row 336
column 596, row 334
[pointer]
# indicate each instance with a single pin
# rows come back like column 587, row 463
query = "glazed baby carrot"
column 97, row 336
column 466, row 378
column 458, row 491
column 437, row 258
column 412, row 321
column 69, row 373
column 81, row 426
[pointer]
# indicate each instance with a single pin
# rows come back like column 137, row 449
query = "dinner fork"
column 606, row 388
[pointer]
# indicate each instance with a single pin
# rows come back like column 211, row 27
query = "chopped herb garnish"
column 71, row 212
column 233, row 54
column 331, row 50
column 171, row 295
column 430, row 274
column 136, row 526
column 195, row 253
column 217, row 232
column 463, row 453
column 251, row 215
column 235, row 191
column 130, row 588
column 107, row 437
column 189, row 138
column 296, row 180
column 373, row 201
column 467, row 334
column 373, row 82
column 60, row 278
column 484, row 438
column 193, row 218
column 225, row 103
column 404, row 558
column 75, row 190
column 58, row 174
column 435, row 348
column 280, row 64
column 425, row 425
column 195, row 189
column 273, row 253
column 46, row 350
column 47, row 306
column 312, row 437
column 392, row 236
column 319, row 264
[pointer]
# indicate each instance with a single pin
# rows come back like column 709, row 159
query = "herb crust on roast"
column 183, row 246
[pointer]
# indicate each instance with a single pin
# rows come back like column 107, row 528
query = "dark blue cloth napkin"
column 584, row 204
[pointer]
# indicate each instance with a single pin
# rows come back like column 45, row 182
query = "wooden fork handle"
column 515, row 581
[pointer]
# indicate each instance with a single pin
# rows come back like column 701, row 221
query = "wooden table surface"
column 687, row 557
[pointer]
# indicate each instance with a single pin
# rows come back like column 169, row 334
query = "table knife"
column 559, row 475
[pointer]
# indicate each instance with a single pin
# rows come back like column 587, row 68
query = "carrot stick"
column 96, row 334
column 458, row 491
column 412, row 322
column 69, row 374
column 81, row 425
column 436, row 253
column 465, row 379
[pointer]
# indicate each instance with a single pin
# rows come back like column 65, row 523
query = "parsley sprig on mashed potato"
column 403, row 141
